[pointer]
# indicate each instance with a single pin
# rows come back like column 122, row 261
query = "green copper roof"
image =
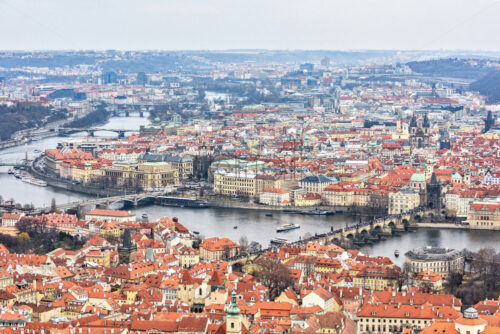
column 417, row 177
column 233, row 310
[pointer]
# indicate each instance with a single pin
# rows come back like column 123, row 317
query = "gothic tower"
column 126, row 251
column 489, row 122
column 419, row 134
column 434, row 193
column 444, row 141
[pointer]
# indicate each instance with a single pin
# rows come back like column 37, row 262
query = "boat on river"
column 33, row 181
column 182, row 202
column 396, row 253
column 278, row 241
column 10, row 171
column 317, row 212
column 287, row 227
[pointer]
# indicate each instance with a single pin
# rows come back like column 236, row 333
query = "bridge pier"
column 127, row 113
column 91, row 133
column 121, row 134
column 141, row 114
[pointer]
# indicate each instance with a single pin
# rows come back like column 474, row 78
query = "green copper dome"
column 417, row 177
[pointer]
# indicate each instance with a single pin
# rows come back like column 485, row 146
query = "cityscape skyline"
column 230, row 167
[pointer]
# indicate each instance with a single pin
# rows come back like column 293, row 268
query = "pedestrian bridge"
column 359, row 233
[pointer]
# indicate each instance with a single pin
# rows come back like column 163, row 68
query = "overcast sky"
column 239, row 24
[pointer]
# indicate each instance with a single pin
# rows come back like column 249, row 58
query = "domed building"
column 417, row 181
column 418, row 185
column 470, row 322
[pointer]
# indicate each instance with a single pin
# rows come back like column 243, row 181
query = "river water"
column 255, row 225
column 25, row 193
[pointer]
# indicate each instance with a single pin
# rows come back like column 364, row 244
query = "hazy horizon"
column 225, row 25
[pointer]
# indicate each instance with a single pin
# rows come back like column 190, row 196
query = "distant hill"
column 451, row 67
column 25, row 116
column 488, row 85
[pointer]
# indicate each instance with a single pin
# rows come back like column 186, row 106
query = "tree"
column 23, row 237
column 406, row 275
column 486, row 264
column 254, row 247
column 243, row 245
column 53, row 205
column 454, row 281
column 274, row 275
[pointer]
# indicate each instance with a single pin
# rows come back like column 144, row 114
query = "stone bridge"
column 91, row 132
column 132, row 199
column 371, row 231
column 13, row 164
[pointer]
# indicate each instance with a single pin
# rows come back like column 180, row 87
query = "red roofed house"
column 394, row 318
column 484, row 215
column 429, row 280
column 320, row 297
column 274, row 196
column 114, row 215
column 10, row 219
column 218, row 249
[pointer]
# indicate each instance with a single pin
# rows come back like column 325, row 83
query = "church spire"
column 413, row 122
column 233, row 309
column 426, row 123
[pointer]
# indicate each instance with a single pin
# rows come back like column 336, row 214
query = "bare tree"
column 486, row 264
column 255, row 247
column 274, row 275
column 243, row 244
column 53, row 205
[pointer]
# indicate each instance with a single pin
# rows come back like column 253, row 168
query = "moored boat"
column 396, row 253
column 317, row 212
column 33, row 181
column 278, row 241
column 287, row 227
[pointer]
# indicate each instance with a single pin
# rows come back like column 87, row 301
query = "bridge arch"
column 405, row 223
